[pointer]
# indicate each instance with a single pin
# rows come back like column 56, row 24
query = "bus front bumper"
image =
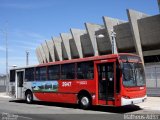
column 125, row 101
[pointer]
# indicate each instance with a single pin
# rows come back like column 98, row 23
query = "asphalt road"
column 19, row 110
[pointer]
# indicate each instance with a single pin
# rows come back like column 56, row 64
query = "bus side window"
column 29, row 74
column 12, row 75
column 85, row 70
column 68, row 71
column 41, row 73
column 54, row 72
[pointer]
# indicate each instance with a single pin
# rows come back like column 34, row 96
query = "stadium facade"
column 140, row 35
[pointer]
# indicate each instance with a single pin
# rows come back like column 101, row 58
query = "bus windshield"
column 133, row 74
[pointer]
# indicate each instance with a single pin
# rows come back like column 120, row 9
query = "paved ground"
column 57, row 111
column 152, row 103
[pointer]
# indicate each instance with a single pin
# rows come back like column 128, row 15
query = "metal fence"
column 2, row 80
column 2, row 83
column 152, row 76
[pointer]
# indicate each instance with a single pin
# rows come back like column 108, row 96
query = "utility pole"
column 27, row 57
column 6, row 40
column 158, row 5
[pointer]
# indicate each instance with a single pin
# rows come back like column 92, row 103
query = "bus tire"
column 29, row 97
column 84, row 102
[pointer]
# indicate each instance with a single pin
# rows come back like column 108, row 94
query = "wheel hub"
column 85, row 101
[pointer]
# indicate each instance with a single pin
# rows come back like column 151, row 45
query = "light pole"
column 113, row 42
column 6, row 44
column 27, row 57
column 159, row 5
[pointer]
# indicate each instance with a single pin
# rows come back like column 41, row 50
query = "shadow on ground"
column 110, row 109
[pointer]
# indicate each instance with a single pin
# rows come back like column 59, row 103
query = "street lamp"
column 95, row 42
column 113, row 42
column 14, row 66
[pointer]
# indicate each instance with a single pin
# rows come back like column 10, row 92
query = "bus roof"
column 109, row 56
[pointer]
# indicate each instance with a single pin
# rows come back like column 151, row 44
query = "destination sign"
column 130, row 58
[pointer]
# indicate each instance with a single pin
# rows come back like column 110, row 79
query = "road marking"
column 24, row 117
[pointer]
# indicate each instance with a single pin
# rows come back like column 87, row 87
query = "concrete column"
column 42, row 53
column 91, row 28
column 124, row 38
column 50, row 45
column 46, row 51
column 58, row 48
column 109, row 25
column 133, row 16
column 149, row 29
column 66, row 37
column 38, row 56
column 103, row 43
column 76, row 33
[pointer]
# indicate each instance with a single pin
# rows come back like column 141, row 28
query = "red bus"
column 111, row 80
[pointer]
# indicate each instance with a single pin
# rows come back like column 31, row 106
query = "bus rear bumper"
column 125, row 101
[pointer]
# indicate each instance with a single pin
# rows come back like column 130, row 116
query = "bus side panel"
column 57, row 97
column 64, row 91
column 12, row 89
column 74, row 86
column 28, row 86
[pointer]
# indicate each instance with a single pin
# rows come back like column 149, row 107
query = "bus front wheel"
column 84, row 102
column 29, row 97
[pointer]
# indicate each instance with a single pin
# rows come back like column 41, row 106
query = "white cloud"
column 26, row 40
column 27, row 34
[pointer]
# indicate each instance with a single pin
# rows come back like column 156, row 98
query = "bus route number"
column 66, row 84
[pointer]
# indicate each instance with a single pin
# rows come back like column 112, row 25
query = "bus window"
column 12, row 76
column 85, row 70
column 29, row 74
column 54, row 72
column 68, row 71
column 41, row 73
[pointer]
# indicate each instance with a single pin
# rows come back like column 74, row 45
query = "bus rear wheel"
column 29, row 97
column 84, row 102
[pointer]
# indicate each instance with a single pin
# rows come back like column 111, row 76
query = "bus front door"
column 19, row 84
column 106, row 81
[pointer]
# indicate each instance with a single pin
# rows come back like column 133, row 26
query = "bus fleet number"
column 66, row 84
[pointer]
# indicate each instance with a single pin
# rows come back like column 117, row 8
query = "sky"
column 28, row 23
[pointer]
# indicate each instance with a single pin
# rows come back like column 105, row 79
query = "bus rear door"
column 19, row 83
column 106, row 81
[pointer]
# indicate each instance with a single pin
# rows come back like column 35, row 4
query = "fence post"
column 156, row 76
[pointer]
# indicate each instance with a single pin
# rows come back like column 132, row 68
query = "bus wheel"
column 84, row 102
column 29, row 97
